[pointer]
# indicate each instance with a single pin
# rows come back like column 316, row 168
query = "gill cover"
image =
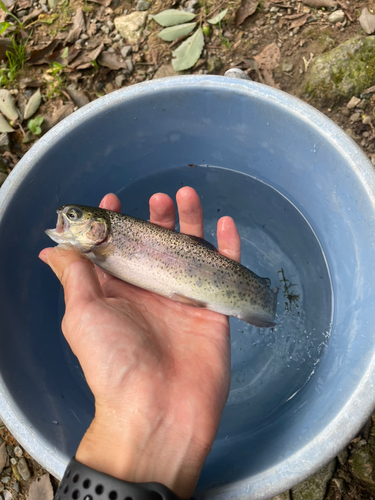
column 80, row 227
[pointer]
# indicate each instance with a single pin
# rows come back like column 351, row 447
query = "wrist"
column 143, row 451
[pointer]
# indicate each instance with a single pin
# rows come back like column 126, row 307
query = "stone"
column 283, row 496
column 214, row 65
column 164, row 71
column 23, row 469
column 336, row 17
column 345, row 71
column 142, row 5
column 361, row 465
column 340, row 484
column 287, row 67
column 119, row 80
column 315, row 487
column 342, row 457
column 13, row 461
column 353, row 102
column 126, row 51
column 5, row 479
column 10, row 450
column 367, row 21
column 52, row 4
column 4, row 143
column 130, row 25
column 18, row 451
column 129, row 64
column 7, row 495
column 355, row 117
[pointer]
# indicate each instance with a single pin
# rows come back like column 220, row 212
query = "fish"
column 179, row 266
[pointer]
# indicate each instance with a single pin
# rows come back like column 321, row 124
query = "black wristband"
column 82, row 482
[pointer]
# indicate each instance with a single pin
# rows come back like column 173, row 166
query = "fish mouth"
column 62, row 228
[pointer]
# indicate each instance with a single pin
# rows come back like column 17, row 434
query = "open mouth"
column 62, row 224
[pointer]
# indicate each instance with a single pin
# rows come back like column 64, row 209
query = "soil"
column 228, row 46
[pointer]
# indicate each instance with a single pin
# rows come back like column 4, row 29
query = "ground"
column 74, row 54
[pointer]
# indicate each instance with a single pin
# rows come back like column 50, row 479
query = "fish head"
column 83, row 227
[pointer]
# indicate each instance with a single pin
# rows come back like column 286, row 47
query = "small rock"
column 164, row 71
column 282, row 496
column 4, row 143
column 108, row 88
column 366, row 119
column 5, row 479
column 16, row 486
column 214, row 65
column 13, row 461
column 18, row 451
column 110, row 25
column 336, row 17
column 344, row 454
column 119, row 80
column 52, row 4
column 7, row 495
column 105, row 29
column 353, row 102
column 367, row 21
column 142, row 5
column 130, row 26
column 23, row 469
column 84, row 36
column 129, row 64
column 287, row 67
column 44, row 8
column 125, row 51
column 355, row 117
column 22, row 13
column 117, row 37
column 315, row 487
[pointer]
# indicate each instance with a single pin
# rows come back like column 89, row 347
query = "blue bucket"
column 302, row 194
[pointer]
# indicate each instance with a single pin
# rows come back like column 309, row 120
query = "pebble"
column 336, row 17
column 110, row 25
column 13, row 461
column 10, row 450
column 23, row 469
column 274, row 9
column 129, row 64
column 117, row 37
column 142, row 5
column 353, row 102
column 119, row 80
column 105, row 29
column 45, row 8
column 18, row 451
column 84, row 36
column 287, row 67
column 22, row 13
column 7, row 495
column 5, row 479
column 355, row 117
column 126, row 51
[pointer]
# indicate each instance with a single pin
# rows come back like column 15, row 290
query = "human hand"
column 159, row 370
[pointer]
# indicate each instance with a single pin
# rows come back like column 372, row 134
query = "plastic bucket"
column 302, row 194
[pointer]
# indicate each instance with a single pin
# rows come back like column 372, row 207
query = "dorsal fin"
column 202, row 242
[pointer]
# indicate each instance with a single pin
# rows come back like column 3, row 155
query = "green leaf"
column 39, row 120
column 4, row 26
column 171, row 17
column 218, row 18
column 65, row 53
column 2, row 6
column 4, row 126
column 187, row 54
column 174, row 32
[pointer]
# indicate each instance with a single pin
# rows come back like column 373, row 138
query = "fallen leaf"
column 4, row 128
column 299, row 22
column 48, row 18
column 33, row 104
column 78, row 97
column 7, row 105
column 84, row 60
column 9, row 3
column 316, row 4
column 369, row 90
column 33, row 15
column 111, row 60
column 218, row 18
column 3, row 457
column 23, row 4
column 171, row 17
column 31, row 83
column 188, row 53
column 367, row 21
column 269, row 58
column 248, row 7
column 5, row 45
column 173, row 32
column 78, row 27
column 294, row 16
column 38, row 56
column 268, row 78
column 41, row 489
column 57, row 116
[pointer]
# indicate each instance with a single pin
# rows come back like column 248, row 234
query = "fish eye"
column 74, row 214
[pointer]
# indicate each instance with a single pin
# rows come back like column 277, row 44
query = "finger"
column 76, row 273
column 111, row 202
column 162, row 210
column 190, row 212
column 228, row 239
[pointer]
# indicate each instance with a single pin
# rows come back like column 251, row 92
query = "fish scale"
column 175, row 265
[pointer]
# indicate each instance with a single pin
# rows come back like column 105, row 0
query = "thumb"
column 75, row 271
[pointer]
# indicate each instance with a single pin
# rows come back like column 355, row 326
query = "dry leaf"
column 7, row 105
column 268, row 79
column 33, row 104
column 4, row 126
column 33, row 15
column 248, row 7
column 299, row 22
column 5, row 46
column 78, row 97
column 38, row 56
column 78, row 27
column 316, row 4
column 111, row 60
column 41, row 489
column 367, row 21
column 57, row 116
column 269, row 58
column 85, row 59
column 369, row 90
column 73, row 35
column 3, row 457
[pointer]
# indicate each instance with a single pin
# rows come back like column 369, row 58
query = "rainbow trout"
column 182, row 267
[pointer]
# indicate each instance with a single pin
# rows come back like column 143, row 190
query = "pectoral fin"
column 187, row 300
